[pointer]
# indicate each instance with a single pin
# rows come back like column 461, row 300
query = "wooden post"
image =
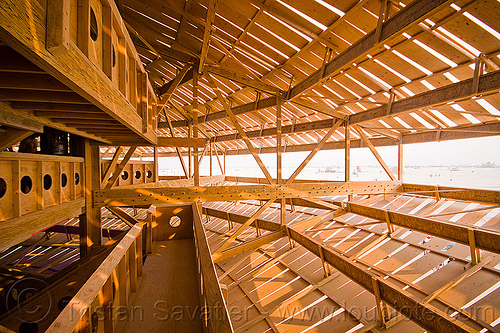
column 347, row 154
column 196, row 175
column 224, row 171
column 400, row 159
column 279, row 164
column 16, row 188
column 132, row 264
column 156, row 176
column 190, row 158
column 90, row 225
column 211, row 169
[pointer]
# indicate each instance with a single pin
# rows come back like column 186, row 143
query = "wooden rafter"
column 111, row 166
column 211, row 10
column 243, row 227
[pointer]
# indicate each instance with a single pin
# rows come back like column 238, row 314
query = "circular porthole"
column 149, row 174
column 94, row 30
column 138, row 174
column 26, row 184
column 77, row 178
column 3, row 187
column 124, row 175
column 47, row 182
column 174, row 221
column 64, row 180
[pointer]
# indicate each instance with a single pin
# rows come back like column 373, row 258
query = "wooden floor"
column 168, row 292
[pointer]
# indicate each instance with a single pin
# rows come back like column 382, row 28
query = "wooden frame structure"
column 128, row 83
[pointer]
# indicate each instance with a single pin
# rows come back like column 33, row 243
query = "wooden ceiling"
column 398, row 69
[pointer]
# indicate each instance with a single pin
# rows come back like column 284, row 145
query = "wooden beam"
column 111, row 166
column 484, row 239
column 234, row 120
column 165, row 97
column 196, row 164
column 118, row 170
column 374, row 151
column 243, row 227
column 12, row 136
column 211, row 10
column 149, row 195
column 58, row 26
column 255, row 84
column 313, row 152
column 455, row 193
column 427, row 316
column 90, row 225
column 164, row 141
column 19, row 122
column 411, row 15
column 212, row 293
column 178, row 151
column 16, row 230
column 122, row 215
column 247, row 246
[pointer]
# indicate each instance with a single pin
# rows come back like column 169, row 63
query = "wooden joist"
column 149, row 195
column 181, row 142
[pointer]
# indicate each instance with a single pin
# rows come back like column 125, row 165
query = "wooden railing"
column 108, row 288
column 210, row 290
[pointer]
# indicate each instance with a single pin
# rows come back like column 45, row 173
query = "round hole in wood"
column 174, row 221
column 47, row 182
column 3, row 187
column 149, row 174
column 124, row 175
column 94, row 30
column 28, row 327
column 63, row 302
column 26, row 184
column 64, row 180
column 77, row 178
column 138, row 174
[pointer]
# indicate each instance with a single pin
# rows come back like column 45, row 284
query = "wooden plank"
column 181, row 142
column 211, row 286
column 122, row 215
column 426, row 315
column 12, row 136
column 456, row 193
column 149, row 195
column 234, row 120
column 484, row 239
column 374, row 151
column 92, row 222
column 117, row 172
column 211, row 10
column 247, row 246
column 256, row 84
column 313, row 152
column 111, row 166
column 70, row 316
column 58, row 26
column 244, row 226
column 19, row 122
column 409, row 16
column 165, row 97
column 16, row 230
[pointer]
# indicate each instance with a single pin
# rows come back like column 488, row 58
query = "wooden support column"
column 58, row 12
column 224, row 170
column 90, row 222
column 16, row 188
column 196, row 175
column 190, row 155
column 400, row 159
column 211, row 171
column 347, row 161
column 156, row 176
column 279, row 165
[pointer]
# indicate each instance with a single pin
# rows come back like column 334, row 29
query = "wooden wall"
column 31, row 182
